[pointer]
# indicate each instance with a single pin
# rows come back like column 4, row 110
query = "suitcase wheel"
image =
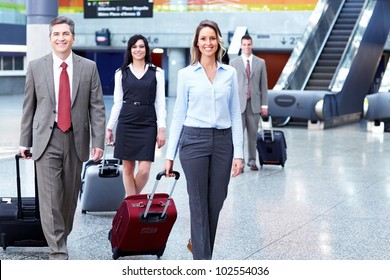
column 115, row 253
column 160, row 252
column 83, row 211
column 3, row 242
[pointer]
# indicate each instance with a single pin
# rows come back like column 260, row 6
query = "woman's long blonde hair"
column 195, row 52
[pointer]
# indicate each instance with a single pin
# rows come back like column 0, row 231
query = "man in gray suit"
column 253, row 93
column 60, row 152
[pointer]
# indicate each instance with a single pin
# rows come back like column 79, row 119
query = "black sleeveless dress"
column 137, row 122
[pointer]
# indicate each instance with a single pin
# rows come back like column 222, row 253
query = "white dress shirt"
column 57, row 69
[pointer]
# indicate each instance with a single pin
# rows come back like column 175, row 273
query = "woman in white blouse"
column 138, row 113
column 206, row 129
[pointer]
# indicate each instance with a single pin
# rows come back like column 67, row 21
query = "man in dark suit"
column 60, row 152
column 253, row 93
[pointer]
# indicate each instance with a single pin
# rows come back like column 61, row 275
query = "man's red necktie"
column 248, row 75
column 64, row 119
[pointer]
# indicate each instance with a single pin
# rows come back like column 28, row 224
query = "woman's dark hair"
column 129, row 58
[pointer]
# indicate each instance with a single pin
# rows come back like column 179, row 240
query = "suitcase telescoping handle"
column 150, row 200
column 103, row 160
column 271, row 129
column 19, row 189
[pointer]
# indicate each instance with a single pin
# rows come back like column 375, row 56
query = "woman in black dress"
column 138, row 113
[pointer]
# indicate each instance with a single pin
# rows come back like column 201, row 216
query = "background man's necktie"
column 248, row 75
column 64, row 119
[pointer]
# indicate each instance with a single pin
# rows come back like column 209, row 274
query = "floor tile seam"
column 80, row 237
column 295, row 229
column 323, row 214
column 364, row 188
column 305, row 162
column 256, row 175
column 376, row 183
column 358, row 218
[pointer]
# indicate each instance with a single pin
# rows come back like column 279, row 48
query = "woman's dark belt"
column 138, row 103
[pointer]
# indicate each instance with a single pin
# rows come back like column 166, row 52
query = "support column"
column 39, row 15
column 176, row 61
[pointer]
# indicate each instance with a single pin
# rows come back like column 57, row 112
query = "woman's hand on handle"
column 168, row 168
column 109, row 137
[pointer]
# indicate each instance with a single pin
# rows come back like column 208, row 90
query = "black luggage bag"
column 20, row 224
column 271, row 145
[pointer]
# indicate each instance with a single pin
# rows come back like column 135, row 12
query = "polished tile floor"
column 331, row 201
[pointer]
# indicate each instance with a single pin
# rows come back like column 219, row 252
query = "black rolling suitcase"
column 271, row 145
column 20, row 224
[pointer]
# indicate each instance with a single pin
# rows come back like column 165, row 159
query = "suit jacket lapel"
column 255, row 66
column 242, row 65
column 77, row 69
column 49, row 76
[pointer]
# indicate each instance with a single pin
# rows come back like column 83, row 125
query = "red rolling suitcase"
column 143, row 223
column 271, row 145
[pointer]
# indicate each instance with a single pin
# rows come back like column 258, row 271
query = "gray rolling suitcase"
column 102, row 186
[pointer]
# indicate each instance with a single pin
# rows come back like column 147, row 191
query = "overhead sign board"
column 118, row 8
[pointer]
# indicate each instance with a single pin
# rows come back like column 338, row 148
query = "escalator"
column 329, row 74
column 333, row 50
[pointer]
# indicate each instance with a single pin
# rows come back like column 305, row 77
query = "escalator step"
column 328, row 63
column 319, row 83
column 344, row 14
column 333, row 38
column 346, row 21
column 330, row 56
column 336, row 44
column 324, row 69
column 344, row 26
column 333, row 50
column 316, row 88
column 340, row 32
column 352, row 10
column 322, row 76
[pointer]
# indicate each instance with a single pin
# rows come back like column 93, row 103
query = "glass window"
column 7, row 62
column 11, row 63
column 18, row 63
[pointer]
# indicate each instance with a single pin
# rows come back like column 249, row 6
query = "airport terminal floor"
column 331, row 201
